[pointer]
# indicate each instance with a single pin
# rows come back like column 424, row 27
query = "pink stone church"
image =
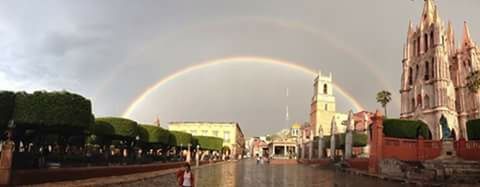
column 435, row 70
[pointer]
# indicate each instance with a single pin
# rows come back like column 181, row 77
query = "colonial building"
column 230, row 132
column 323, row 107
column 435, row 72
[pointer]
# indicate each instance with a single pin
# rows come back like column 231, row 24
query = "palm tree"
column 384, row 97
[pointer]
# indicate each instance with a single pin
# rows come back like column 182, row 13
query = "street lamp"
column 197, row 156
column 189, row 153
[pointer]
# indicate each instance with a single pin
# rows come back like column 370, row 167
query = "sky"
column 112, row 51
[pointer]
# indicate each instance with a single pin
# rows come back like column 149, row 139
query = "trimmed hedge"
column 116, row 127
column 153, row 135
column 398, row 128
column 7, row 103
column 179, row 138
column 358, row 140
column 57, row 111
column 210, row 143
column 473, row 129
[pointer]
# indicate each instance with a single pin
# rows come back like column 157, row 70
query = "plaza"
column 247, row 173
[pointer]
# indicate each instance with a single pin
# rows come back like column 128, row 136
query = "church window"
column 416, row 72
column 415, row 47
column 326, row 107
column 425, row 38
column 410, row 74
column 413, row 104
column 432, row 40
column 419, row 100
column 433, row 66
column 443, row 40
column 418, row 46
column 427, row 72
column 325, row 89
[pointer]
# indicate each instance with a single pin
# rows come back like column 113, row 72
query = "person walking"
column 185, row 177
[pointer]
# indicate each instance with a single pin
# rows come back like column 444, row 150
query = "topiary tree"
column 408, row 129
column 179, row 138
column 62, row 112
column 153, row 135
column 117, row 128
column 210, row 143
column 7, row 103
column 473, row 129
column 359, row 140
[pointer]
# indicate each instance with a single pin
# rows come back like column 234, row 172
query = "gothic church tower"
column 434, row 76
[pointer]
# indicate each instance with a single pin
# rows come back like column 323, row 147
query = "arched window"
column 427, row 72
column 432, row 39
column 419, row 100
column 416, row 72
column 413, row 104
column 325, row 89
column 433, row 66
column 418, row 46
column 414, row 47
column 410, row 74
column 425, row 38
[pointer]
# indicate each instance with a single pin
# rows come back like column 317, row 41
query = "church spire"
column 451, row 37
column 428, row 11
column 467, row 40
column 410, row 27
column 436, row 17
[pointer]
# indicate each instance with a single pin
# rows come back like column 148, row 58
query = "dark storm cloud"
column 110, row 51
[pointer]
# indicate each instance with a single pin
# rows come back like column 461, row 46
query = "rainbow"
column 210, row 63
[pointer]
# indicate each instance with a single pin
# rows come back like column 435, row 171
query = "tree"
column 473, row 81
column 384, row 97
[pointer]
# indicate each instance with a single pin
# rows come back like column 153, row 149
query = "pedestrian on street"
column 258, row 159
column 185, row 177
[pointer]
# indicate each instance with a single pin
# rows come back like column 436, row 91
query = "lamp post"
column 189, row 154
column 197, row 156
column 137, row 150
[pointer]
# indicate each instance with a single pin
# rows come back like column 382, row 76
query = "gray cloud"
column 110, row 51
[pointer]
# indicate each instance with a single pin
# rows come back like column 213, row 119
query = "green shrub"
column 154, row 135
column 408, row 129
column 209, row 143
column 473, row 129
column 358, row 140
column 180, row 138
column 53, row 111
column 116, row 127
column 7, row 103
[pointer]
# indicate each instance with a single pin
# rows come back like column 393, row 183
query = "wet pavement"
column 247, row 173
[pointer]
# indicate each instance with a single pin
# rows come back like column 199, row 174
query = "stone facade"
column 435, row 74
column 323, row 107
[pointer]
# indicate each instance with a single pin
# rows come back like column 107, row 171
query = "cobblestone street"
column 247, row 173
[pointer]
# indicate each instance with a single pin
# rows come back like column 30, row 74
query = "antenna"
column 287, row 117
